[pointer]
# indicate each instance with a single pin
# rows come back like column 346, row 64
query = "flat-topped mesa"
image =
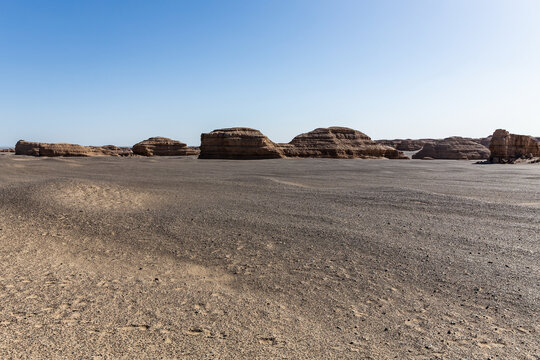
column 63, row 149
column 406, row 144
column 238, row 143
column 510, row 148
column 453, row 148
column 162, row 146
column 340, row 143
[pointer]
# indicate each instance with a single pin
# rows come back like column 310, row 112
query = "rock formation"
column 162, row 146
column 9, row 150
column 62, row 149
column 484, row 141
column 193, row 150
column 338, row 142
column 453, row 148
column 510, row 148
column 238, row 143
column 406, row 144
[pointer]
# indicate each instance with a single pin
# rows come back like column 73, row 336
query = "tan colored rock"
column 418, row 144
column 63, row 149
column 484, row 141
column 453, row 148
column 162, row 146
column 193, row 150
column 406, row 144
column 238, row 143
column 113, row 150
column 338, row 142
column 509, row 148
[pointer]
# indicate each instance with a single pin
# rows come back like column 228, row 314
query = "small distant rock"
column 162, row 146
column 113, row 150
column 453, row 148
column 64, row 149
column 406, row 144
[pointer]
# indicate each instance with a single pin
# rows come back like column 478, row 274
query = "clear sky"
column 116, row 72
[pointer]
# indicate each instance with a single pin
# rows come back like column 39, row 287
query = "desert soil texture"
column 180, row 258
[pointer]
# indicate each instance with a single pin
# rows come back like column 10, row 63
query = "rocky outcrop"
column 193, row 150
column 511, row 148
column 418, row 144
column 10, row 150
column 453, row 148
column 63, row 149
column 406, row 144
column 338, row 142
column 238, row 143
column 162, row 146
column 483, row 141
column 113, row 150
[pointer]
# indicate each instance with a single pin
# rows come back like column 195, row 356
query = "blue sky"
column 116, row 72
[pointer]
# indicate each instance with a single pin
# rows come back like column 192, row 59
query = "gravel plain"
column 180, row 258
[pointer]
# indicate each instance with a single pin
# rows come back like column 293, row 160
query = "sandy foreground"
column 180, row 258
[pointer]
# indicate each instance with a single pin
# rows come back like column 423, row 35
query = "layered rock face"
column 193, row 150
column 509, row 148
column 338, row 142
column 113, row 150
column 63, row 149
column 162, row 146
column 453, row 148
column 238, row 143
column 406, row 144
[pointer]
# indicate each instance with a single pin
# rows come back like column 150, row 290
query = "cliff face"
column 338, row 142
column 238, row 143
column 508, row 148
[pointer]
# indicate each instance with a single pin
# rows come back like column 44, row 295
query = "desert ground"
column 180, row 258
